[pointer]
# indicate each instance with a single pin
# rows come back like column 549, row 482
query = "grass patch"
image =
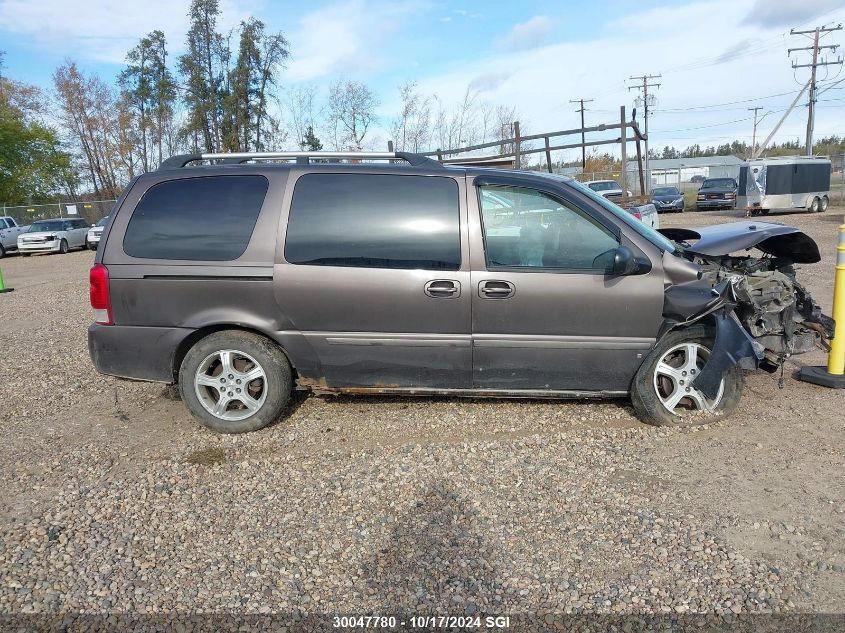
column 206, row 456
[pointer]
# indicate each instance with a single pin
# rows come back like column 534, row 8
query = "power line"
column 644, row 86
column 755, row 109
column 818, row 32
column 582, row 101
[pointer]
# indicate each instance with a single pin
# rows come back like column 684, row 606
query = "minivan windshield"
column 47, row 225
column 647, row 232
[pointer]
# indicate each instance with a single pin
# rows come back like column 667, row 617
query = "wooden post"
column 643, row 192
column 548, row 156
column 439, row 155
column 389, row 146
column 624, row 142
column 516, row 145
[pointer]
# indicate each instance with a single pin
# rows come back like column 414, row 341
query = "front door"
column 546, row 315
column 374, row 279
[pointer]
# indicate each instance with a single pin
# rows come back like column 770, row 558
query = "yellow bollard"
column 836, row 358
column 3, row 287
column 835, row 375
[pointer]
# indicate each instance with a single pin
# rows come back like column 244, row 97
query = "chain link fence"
column 91, row 211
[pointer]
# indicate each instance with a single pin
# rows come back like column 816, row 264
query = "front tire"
column 815, row 205
column 63, row 247
column 235, row 382
column 661, row 391
column 825, row 204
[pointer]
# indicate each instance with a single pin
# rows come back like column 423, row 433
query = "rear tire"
column 2, row 252
column 214, row 376
column 825, row 204
column 652, row 396
column 815, row 205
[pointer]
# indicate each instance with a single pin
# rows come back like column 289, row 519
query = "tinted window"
column 196, row 218
column 537, row 231
column 374, row 221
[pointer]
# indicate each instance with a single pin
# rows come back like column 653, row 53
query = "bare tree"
column 300, row 103
column 412, row 129
column 351, row 111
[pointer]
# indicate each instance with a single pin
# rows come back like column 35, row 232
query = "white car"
column 609, row 189
column 53, row 236
column 92, row 240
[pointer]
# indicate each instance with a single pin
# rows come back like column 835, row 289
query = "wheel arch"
column 197, row 335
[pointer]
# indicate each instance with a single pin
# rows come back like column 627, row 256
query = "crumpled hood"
column 773, row 239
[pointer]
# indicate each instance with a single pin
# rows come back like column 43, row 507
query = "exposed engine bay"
column 761, row 312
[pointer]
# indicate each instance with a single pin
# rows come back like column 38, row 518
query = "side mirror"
column 624, row 262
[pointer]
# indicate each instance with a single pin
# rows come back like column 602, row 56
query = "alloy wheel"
column 674, row 374
column 230, row 384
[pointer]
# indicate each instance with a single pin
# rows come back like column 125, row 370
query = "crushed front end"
column 761, row 312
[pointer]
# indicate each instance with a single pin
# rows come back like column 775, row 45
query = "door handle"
column 443, row 289
column 495, row 289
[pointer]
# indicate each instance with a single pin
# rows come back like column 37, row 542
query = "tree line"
column 89, row 136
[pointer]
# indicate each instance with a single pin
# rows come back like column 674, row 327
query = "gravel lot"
column 112, row 499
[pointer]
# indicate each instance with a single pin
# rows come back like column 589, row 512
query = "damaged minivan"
column 243, row 277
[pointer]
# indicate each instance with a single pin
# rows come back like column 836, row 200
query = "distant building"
column 673, row 171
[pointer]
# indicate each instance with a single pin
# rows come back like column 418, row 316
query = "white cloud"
column 102, row 30
column 780, row 13
column 696, row 71
column 344, row 37
column 527, row 34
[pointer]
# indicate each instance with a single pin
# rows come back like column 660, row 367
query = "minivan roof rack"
column 415, row 160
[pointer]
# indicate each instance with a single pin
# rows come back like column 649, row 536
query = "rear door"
column 546, row 315
column 373, row 273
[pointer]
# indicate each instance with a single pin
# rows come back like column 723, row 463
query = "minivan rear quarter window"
column 374, row 221
column 202, row 219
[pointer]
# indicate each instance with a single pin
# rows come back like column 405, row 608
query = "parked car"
column 243, row 282
column 610, row 189
column 697, row 178
column 53, row 236
column 716, row 193
column 9, row 231
column 667, row 199
column 92, row 239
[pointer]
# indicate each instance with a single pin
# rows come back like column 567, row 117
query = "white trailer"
column 784, row 183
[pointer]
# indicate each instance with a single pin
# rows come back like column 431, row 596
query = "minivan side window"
column 525, row 228
column 374, row 221
column 203, row 219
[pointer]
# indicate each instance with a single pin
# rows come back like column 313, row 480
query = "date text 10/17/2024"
column 421, row 622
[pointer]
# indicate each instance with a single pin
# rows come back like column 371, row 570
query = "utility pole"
column 644, row 86
column 755, row 109
column 583, row 140
column 816, row 33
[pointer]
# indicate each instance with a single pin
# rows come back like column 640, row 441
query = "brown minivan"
column 255, row 274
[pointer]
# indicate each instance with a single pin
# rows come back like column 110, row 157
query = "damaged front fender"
column 732, row 346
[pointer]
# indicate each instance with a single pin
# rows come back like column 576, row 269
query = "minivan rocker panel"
column 243, row 282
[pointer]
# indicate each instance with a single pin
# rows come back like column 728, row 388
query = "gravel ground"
column 113, row 500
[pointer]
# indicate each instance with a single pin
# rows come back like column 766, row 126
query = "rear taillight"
column 100, row 295
column 638, row 215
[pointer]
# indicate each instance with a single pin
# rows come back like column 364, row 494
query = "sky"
column 716, row 58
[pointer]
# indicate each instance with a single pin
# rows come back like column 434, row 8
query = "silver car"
column 53, row 236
